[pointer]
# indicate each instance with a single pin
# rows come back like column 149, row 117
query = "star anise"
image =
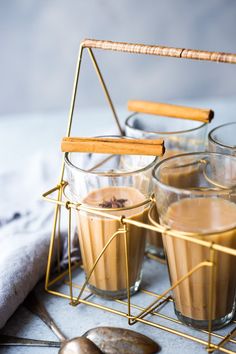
column 113, row 203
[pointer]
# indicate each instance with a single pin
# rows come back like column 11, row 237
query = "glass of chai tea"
column 205, row 209
column 180, row 135
column 119, row 185
column 223, row 139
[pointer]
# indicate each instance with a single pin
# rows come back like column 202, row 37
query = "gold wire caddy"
column 62, row 203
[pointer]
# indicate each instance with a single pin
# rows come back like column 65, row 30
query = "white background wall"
column 39, row 41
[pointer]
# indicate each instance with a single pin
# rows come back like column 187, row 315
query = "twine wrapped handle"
column 138, row 48
column 114, row 146
column 171, row 110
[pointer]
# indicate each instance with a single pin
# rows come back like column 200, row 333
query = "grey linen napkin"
column 24, row 248
column 25, row 228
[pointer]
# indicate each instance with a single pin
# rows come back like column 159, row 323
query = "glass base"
column 155, row 251
column 117, row 294
column 203, row 324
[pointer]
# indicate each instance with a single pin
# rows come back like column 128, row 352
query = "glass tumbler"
column 205, row 209
column 120, row 185
column 180, row 135
column 223, row 139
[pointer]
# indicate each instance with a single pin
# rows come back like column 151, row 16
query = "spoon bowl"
column 114, row 340
column 79, row 345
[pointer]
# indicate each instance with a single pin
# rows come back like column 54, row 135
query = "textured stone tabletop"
column 74, row 321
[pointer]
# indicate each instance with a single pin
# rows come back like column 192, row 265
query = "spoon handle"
column 18, row 341
column 35, row 306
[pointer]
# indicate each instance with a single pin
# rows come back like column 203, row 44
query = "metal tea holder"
column 56, row 196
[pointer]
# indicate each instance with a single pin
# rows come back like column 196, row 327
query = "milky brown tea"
column 107, row 183
column 180, row 135
column 183, row 177
column 205, row 211
column 217, row 217
column 109, row 276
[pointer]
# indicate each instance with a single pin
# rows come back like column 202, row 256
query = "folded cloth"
column 25, row 228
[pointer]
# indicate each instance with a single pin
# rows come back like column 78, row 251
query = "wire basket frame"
column 61, row 203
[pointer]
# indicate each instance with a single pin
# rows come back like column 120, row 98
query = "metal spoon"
column 78, row 345
column 108, row 340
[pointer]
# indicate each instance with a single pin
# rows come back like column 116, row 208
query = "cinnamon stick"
column 171, row 110
column 114, row 146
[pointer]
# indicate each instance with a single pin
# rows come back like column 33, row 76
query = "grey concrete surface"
column 74, row 321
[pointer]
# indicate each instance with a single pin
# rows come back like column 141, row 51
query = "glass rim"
column 191, row 191
column 127, row 123
column 212, row 140
column 107, row 173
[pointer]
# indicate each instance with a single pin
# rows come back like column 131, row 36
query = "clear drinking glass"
column 180, row 135
column 206, row 206
column 223, row 139
column 115, row 184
